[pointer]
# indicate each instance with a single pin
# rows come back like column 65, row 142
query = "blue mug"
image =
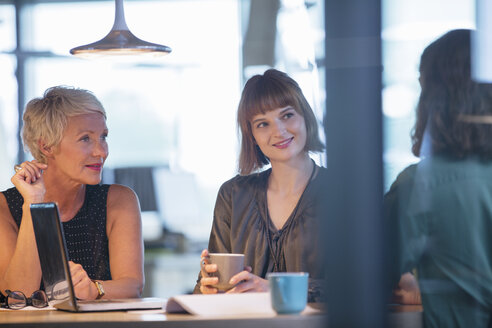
column 289, row 291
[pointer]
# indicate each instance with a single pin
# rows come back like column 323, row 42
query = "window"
column 174, row 115
column 174, row 111
column 408, row 27
column 8, row 96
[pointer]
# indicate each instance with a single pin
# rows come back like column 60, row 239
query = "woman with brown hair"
column 271, row 216
column 440, row 210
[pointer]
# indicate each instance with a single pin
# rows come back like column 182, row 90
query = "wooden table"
column 147, row 319
column 399, row 316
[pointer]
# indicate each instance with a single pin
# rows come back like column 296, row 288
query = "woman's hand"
column 247, row 282
column 28, row 179
column 408, row 291
column 206, row 268
column 83, row 286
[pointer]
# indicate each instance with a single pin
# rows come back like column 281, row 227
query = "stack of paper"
column 221, row 304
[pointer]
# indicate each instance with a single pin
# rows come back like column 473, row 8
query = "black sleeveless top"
column 85, row 234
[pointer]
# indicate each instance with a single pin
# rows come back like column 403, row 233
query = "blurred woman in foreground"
column 440, row 209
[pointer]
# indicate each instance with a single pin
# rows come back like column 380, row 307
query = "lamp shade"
column 120, row 41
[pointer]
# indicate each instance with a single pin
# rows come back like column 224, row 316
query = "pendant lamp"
column 120, row 41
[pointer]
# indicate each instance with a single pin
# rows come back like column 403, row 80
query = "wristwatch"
column 100, row 289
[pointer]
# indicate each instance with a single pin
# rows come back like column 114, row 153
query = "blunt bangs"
column 266, row 96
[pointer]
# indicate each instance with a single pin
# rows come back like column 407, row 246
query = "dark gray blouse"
column 242, row 225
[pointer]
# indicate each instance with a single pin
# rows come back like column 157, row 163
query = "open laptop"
column 57, row 280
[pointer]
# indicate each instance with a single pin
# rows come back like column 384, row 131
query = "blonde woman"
column 65, row 131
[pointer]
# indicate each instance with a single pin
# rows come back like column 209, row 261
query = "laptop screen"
column 52, row 252
column 57, row 280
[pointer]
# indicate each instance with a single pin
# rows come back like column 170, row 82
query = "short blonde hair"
column 261, row 94
column 45, row 118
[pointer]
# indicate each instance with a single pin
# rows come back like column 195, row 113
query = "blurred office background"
column 173, row 135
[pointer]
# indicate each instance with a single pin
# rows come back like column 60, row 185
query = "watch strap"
column 100, row 289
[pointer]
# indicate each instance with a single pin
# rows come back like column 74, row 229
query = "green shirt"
column 440, row 222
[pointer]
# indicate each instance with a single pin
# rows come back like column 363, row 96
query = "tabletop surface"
column 399, row 316
column 151, row 318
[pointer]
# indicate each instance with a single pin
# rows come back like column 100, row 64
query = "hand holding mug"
column 245, row 281
column 217, row 270
column 208, row 280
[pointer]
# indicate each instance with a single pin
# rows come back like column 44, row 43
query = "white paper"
column 31, row 308
column 225, row 304
column 221, row 304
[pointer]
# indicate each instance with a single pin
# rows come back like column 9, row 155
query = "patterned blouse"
column 85, row 234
